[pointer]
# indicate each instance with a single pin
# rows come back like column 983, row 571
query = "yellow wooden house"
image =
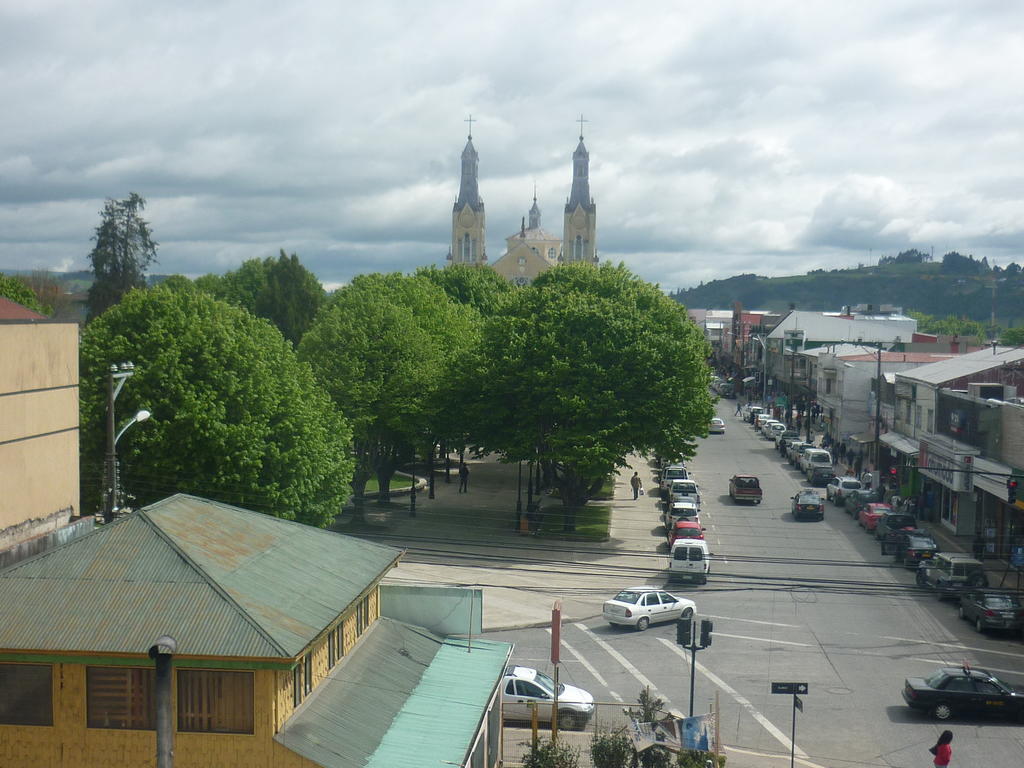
column 282, row 660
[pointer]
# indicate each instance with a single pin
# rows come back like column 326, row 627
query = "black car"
column 808, row 504
column 819, row 475
column 964, row 691
column 913, row 546
column 992, row 609
column 889, row 524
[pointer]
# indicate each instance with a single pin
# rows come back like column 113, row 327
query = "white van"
column 689, row 559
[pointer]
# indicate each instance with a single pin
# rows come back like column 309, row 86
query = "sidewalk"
column 455, row 531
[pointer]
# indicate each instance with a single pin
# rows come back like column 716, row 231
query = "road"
column 794, row 601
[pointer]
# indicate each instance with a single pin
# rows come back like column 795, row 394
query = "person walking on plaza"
column 635, row 482
column 739, row 407
column 463, row 478
column 942, row 751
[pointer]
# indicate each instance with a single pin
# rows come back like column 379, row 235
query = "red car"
column 869, row 514
column 685, row 529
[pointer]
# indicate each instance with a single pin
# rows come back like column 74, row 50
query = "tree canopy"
column 16, row 290
column 479, row 287
column 124, row 249
column 384, row 348
column 582, row 368
column 280, row 290
column 235, row 416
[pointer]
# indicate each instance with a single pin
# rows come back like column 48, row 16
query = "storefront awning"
column 749, row 379
column 863, row 438
column 899, row 443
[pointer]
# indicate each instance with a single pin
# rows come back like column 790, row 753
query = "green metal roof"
column 403, row 695
column 223, row 581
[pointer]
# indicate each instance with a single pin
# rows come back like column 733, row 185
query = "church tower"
column 579, row 242
column 468, row 243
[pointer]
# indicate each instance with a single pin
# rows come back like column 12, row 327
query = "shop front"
column 947, row 469
column 902, row 456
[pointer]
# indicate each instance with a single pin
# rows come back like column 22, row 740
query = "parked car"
column 795, row 451
column 689, row 559
column 522, row 687
column 870, row 513
column 773, row 431
column 854, row 500
column 912, row 547
column 642, row 606
column 814, row 457
column 889, row 524
column 679, row 510
column 838, row 486
column 717, row 426
column 670, row 473
column 991, row 609
column 949, row 573
column 684, row 489
column 745, row 488
column 760, row 419
column 820, row 474
column 951, row 691
column 784, row 439
column 767, row 426
column 750, row 411
column 684, row 529
column 808, row 504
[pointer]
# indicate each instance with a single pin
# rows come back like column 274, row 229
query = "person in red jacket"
column 942, row 751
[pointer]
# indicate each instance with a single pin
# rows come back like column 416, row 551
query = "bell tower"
column 579, row 242
column 468, row 242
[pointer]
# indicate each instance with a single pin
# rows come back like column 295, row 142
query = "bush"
column 611, row 750
column 551, row 754
column 698, row 759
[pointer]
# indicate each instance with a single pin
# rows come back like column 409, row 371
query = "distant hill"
column 935, row 288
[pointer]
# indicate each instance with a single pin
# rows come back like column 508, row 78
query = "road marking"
column 942, row 663
column 742, row 701
column 755, row 621
column 808, row 763
column 619, row 658
column 957, row 646
column 588, row 666
column 763, row 639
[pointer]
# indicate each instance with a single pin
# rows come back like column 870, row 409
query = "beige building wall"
column 469, row 244
column 521, row 264
column 581, row 224
column 38, row 428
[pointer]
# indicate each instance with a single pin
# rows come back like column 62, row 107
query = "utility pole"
column 878, row 415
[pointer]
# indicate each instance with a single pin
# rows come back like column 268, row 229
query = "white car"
column 766, row 425
column 717, row 427
column 774, row 430
column 684, row 489
column 522, row 687
column 838, row 487
column 642, row 606
column 670, row 473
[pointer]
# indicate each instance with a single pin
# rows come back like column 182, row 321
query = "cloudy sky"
column 725, row 137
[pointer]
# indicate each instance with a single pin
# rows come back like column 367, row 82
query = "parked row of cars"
column 813, row 462
column 689, row 557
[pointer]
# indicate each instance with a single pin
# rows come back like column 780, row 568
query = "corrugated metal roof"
column 964, row 365
column 403, row 694
column 223, row 581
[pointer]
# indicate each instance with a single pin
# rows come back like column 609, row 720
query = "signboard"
column 953, row 471
column 556, row 632
column 789, row 688
column 1017, row 557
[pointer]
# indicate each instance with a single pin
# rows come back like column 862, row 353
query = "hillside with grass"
column 957, row 285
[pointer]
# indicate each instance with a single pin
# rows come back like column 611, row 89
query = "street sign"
column 798, row 703
column 789, row 687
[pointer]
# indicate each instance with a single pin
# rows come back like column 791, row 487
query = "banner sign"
column 674, row 733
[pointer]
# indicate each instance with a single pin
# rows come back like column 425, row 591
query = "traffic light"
column 684, row 632
column 1011, row 490
column 705, row 632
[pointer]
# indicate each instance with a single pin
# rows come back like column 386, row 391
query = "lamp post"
column 116, row 377
column 412, row 495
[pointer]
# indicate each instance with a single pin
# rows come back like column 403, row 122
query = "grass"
column 398, row 482
column 592, row 523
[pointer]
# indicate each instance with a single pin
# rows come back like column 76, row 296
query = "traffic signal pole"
column 686, row 637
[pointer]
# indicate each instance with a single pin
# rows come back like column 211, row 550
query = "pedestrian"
column 942, row 751
column 463, row 478
column 739, row 407
column 636, row 483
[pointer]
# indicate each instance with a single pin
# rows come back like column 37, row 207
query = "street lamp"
column 116, row 377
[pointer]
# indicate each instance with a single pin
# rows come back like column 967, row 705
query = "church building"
column 531, row 250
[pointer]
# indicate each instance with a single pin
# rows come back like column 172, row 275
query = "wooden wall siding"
column 284, row 703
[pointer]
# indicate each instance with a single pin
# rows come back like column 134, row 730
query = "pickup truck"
column 745, row 488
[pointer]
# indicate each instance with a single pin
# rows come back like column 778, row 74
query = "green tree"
column 1013, row 337
column 480, row 287
column 124, row 249
column 280, row 290
column 584, row 367
column 384, row 348
column 16, row 290
column 611, row 750
column 236, row 416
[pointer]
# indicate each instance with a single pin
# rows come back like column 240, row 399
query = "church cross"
column 581, row 121
column 470, row 121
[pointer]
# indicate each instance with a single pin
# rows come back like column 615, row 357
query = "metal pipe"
column 162, row 652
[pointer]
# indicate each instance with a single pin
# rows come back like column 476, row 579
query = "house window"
column 931, row 419
column 335, row 648
column 551, row 253
column 297, row 685
column 120, row 697
column 362, row 615
column 917, row 416
column 577, row 248
column 215, row 701
column 26, row 694
column 307, row 674
column 828, row 386
column 466, row 252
